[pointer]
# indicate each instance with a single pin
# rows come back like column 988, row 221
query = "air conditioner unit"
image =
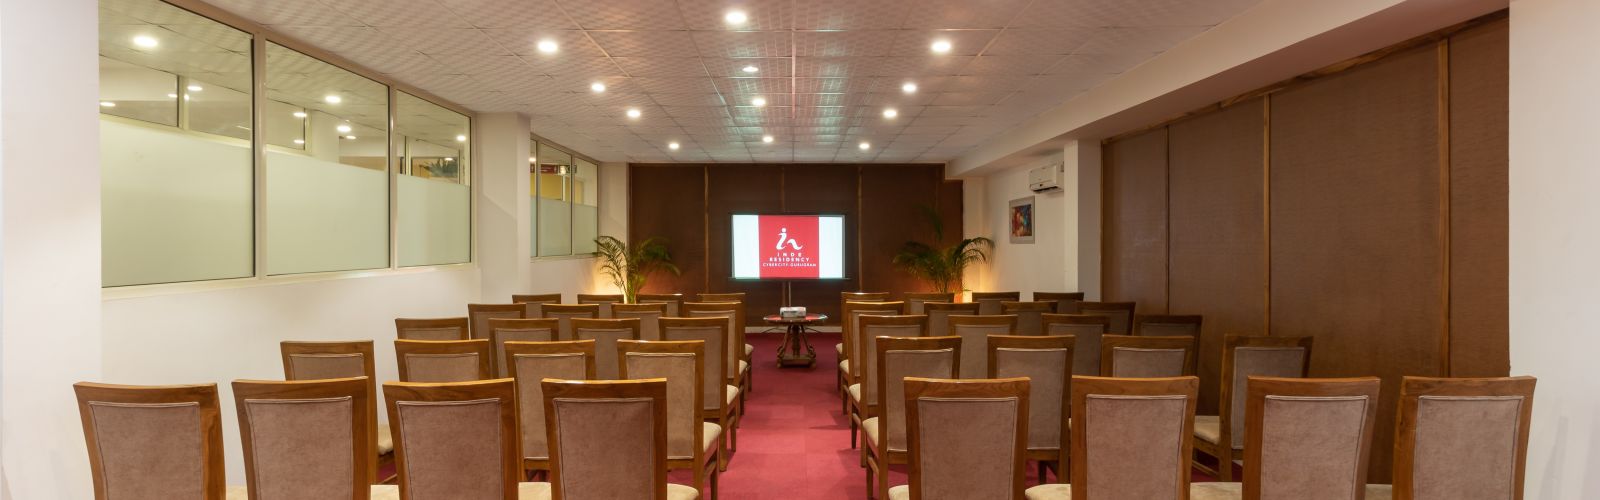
column 1046, row 178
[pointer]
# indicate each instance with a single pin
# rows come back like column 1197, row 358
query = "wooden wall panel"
column 1355, row 224
column 1218, row 252
column 825, row 189
column 1135, row 248
column 736, row 189
column 1479, row 213
column 673, row 207
column 894, row 203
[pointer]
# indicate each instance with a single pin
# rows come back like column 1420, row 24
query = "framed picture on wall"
column 1021, row 217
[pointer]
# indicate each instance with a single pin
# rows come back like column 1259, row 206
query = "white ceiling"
column 828, row 68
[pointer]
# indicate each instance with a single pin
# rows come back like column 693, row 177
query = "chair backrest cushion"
column 130, row 435
column 1139, row 362
column 532, row 368
column 441, row 368
column 308, row 366
column 1311, row 447
column 607, row 447
column 682, row 418
column 967, row 447
column 452, row 448
column 301, row 447
column 713, row 380
column 936, row 363
column 1248, row 361
column 1466, row 447
column 1132, row 444
column 974, row 347
column 1046, row 390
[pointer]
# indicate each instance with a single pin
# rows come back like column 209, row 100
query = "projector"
column 791, row 312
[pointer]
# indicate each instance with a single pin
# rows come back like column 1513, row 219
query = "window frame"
column 571, row 199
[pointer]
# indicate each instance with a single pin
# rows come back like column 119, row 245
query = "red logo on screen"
column 788, row 246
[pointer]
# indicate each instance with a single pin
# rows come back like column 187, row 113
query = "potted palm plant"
column 629, row 265
column 942, row 266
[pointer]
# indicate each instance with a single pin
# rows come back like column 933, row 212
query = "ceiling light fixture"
column 343, row 129
column 864, row 145
column 751, row 69
column 767, row 139
column 299, row 114
column 548, row 46
column 597, row 87
column 195, row 88
column 351, row 137
column 941, row 47
column 533, row 160
column 909, row 88
column 146, row 41
column 332, row 99
column 299, row 141
column 449, row 158
column 634, row 113
column 759, row 101
column 673, row 146
column 890, row 113
column 172, row 96
column 461, row 138
column 736, row 17
column 107, row 104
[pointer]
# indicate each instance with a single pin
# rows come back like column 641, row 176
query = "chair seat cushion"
column 681, row 492
column 1380, row 492
column 1049, row 492
column 709, row 434
column 844, row 366
column 1208, row 428
column 870, row 428
column 748, row 349
column 855, row 393
column 533, row 491
column 1216, row 491
column 379, row 492
column 839, row 349
column 733, row 394
column 902, row 492
column 744, row 369
column 385, row 439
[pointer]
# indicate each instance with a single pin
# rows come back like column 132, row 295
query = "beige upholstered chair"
column 307, row 360
column 531, row 362
column 1120, row 314
column 898, row 358
column 692, row 443
column 502, row 331
column 443, row 361
column 738, row 364
column 432, row 329
column 739, row 321
column 458, row 440
column 915, row 300
column 1167, row 325
column 649, row 316
column 124, row 426
column 1308, row 439
column 974, row 332
column 1126, row 356
column 939, row 314
column 1244, row 357
column 1087, row 329
column 1129, row 439
column 966, row 438
column 533, row 305
column 605, row 333
column 864, row 395
column 480, row 314
column 1047, row 362
column 990, row 302
column 565, row 313
column 719, row 402
column 672, row 301
column 603, row 300
column 844, row 329
column 308, row 439
column 1460, row 438
column 608, row 440
column 853, row 311
column 1066, row 302
column 1030, row 315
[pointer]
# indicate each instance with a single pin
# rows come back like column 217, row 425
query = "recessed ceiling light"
column 449, row 158
column 909, row 88
column 532, row 160
column 864, row 145
column 461, row 138
column 597, row 87
column 751, row 69
column 186, row 97
column 634, row 113
column 759, row 101
column 343, row 129
column 195, row 88
column 941, row 46
column 890, row 113
column 299, row 114
column 332, row 99
column 673, row 146
column 351, row 137
column 736, row 17
column 146, row 41
column 767, row 139
column 107, row 104
column 548, row 46
column 299, row 141
column 172, row 96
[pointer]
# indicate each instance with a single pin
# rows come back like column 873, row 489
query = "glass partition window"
column 585, row 206
column 565, row 191
column 435, row 202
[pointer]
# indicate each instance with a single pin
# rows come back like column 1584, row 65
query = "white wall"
column 1555, row 277
column 1064, row 256
column 504, row 224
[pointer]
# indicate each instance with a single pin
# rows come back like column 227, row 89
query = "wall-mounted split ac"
column 1046, row 178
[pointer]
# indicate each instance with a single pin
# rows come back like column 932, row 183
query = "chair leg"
column 724, row 454
column 871, row 466
column 1043, row 474
column 883, row 482
column 1225, row 464
column 715, row 489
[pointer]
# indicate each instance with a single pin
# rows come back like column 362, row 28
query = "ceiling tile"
column 765, row 68
column 843, row 43
column 1128, row 13
column 645, row 43
column 1141, row 40
column 625, row 15
column 517, row 14
column 742, row 43
column 851, row 14
column 401, row 13
column 1014, row 42
column 968, row 14
column 962, row 43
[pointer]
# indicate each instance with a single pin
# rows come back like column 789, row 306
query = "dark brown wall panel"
column 669, row 202
column 1355, row 224
column 825, row 189
column 1479, row 217
column 1218, row 247
column 1135, row 251
column 741, row 189
column 894, row 204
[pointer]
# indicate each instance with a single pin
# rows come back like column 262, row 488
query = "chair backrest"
column 480, row 314
column 605, row 333
column 649, row 316
column 1131, row 437
column 967, row 438
column 1030, row 315
column 443, row 361
column 456, row 440
column 125, row 425
column 679, row 364
column 1066, row 302
column 533, row 305
column 307, row 439
column 565, row 313
column 989, row 302
column 872, row 327
column 1119, row 313
column 729, row 297
column 915, row 300
column 1047, row 362
column 853, row 311
column 731, row 312
column 315, row 360
column 939, row 314
column 531, row 362
column 974, row 332
column 603, row 300
column 1166, row 325
column 844, row 324
column 1087, row 329
column 673, row 301
column 502, row 331
column 432, row 329
column 1255, row 356
column 1309, row 438
column 1462, row 437
column 608, row 439
column 1127, row 356
column 898, row 358
column 714, row 367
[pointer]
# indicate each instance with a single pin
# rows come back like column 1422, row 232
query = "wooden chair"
column 989, row 302
column 124, row 426
column 502, row 331
column 739, row 323
column 1066, row 302
column 1126, row 356
column 1460, row 438
column 1030, row 315
column 1047, row 363
column 898, row 358
column 443, row 361
column 720, row 401
column 1120, row 314
column 692, row 443
column 307, row 360
column 1129, row 439
column 480, row 314
column 844, row 328
column 966, row 438
column 605, row 333
column 673, row 302
column 603, row 300
column 308, row 439
column 1318, row 430
column 1244, row 357
column 738, row 362
column 852, row 311
column 531, row 362
column 458, row 440
column 915, row 300
column 939, row 314
column 1167, row 325
column 533, row 305
column 565, row 313
column 649, row 316
column 609, row 440
column 1087, row 329
column 432, row 329
column 974, row 332
column 864, row 395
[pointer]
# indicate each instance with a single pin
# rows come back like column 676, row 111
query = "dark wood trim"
column 1444, row 205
